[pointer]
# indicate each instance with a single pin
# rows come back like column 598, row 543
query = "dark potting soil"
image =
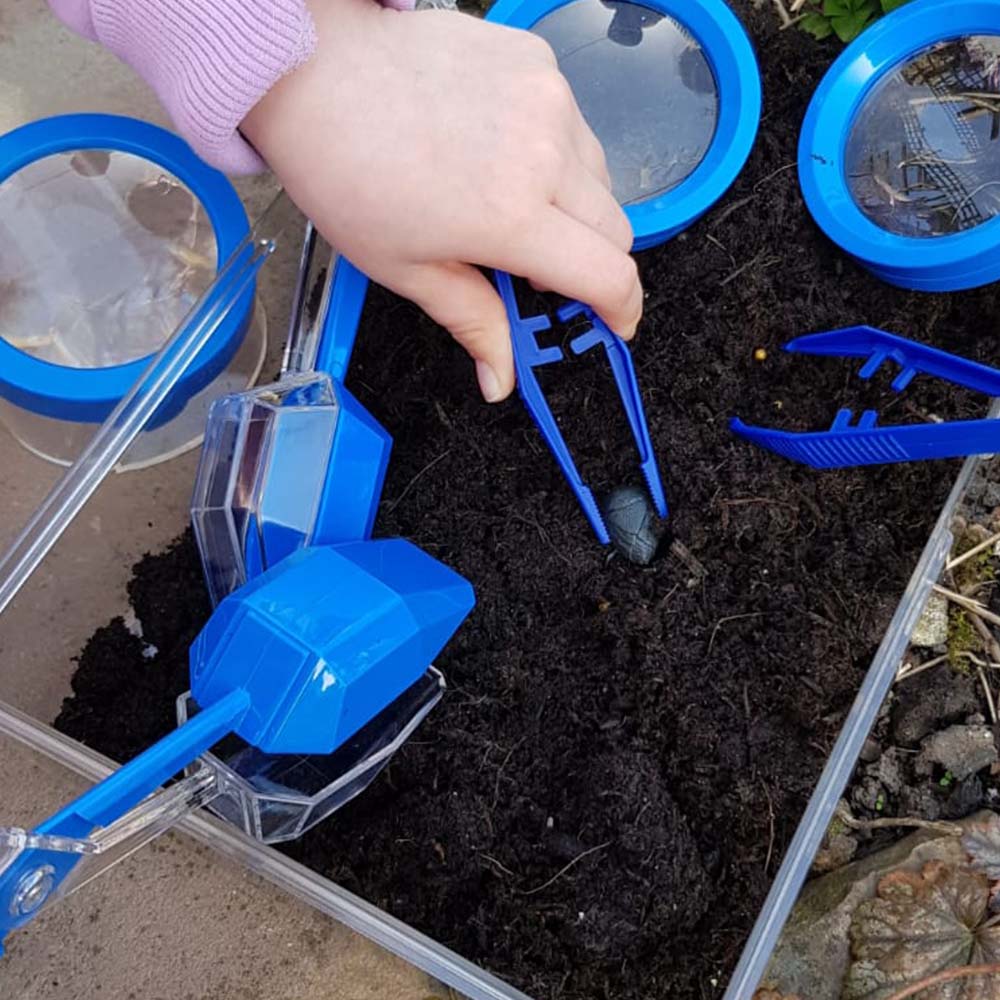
column 599, row 805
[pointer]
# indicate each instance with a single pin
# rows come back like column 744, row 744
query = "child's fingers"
column 591, row 152
column 464, row 302
column 570, row 258
column 583, row 197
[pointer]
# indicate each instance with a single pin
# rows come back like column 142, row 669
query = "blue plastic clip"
column 528, row 356
column 865, row 443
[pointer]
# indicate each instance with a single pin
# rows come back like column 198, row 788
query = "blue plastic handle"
column 112, row 799
column 528, row 356
column 865, row 443
column 348, row 290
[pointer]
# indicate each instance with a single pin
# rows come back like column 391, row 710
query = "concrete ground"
column 174, row 921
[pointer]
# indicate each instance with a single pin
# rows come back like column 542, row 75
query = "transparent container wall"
column 923, row 154
column 60, row 441
column 277, row 797
column 104, row 254
column 645, row 87
column 261, row 477
column 820, row 810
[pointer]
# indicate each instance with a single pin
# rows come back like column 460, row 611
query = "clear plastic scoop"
column 138, row 406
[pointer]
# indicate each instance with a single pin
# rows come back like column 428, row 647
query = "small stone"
column 632, row 524
column 888, row 770
column 871, row 751
column 867, row 794
column 932, row 628
column 991, row 495
column 926, row 701
column 960, row 750
column 965, row 799
column 920, row 802
column 835, row 853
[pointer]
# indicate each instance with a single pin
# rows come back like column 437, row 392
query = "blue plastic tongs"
column 866, row 443
column 528, row 356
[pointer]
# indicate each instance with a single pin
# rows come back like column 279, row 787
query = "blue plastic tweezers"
column 866, row 443
column 528, row 356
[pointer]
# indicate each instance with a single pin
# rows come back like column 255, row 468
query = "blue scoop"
column 295, row 662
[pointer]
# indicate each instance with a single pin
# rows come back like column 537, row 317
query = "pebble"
column 632, row 524
column 925, row 701
column 932, row 628
column 871, row 751
column 962, row 750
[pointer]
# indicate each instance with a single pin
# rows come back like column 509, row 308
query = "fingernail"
column 489, row 382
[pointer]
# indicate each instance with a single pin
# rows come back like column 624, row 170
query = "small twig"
column 970, row 605
column 971, row 196
column 946, row 976
column 770, row 814
column 409, row 486
column 730, row 618
column 686, row 556
column 729, row 209
column 782, row 12
column 711, row 239
column 988, row 693
column 903, row 674
column 562, row 871
column 772, row 175
column 888, row 822
column 506, row 761
column 982, row 546
column 972, row 658
column 503, row 868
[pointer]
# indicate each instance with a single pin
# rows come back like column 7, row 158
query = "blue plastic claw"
column 865, row 443
column 528, row 356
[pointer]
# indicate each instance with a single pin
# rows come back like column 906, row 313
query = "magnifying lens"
column 110, row 231
column 899, row 157
column 672, row 90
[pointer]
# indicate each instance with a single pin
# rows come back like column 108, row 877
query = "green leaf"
column 849, row 26
column 836, row 8
column 817, row 25
column 888, row 6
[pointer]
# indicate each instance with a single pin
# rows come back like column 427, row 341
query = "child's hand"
column 421, row 144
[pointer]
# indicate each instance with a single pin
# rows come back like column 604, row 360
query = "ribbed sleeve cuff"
column 209, row 61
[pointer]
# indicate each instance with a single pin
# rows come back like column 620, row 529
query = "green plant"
column 962, row 638
column 844, row 18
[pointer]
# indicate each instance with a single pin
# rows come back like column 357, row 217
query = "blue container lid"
column 88, row 394
column 899, row 156
column 670, row 87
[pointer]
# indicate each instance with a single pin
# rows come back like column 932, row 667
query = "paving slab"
column 175, row 920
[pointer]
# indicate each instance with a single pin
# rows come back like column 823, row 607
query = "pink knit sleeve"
column 209, row 61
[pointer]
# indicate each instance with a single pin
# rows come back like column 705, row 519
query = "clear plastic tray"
column 477, row 984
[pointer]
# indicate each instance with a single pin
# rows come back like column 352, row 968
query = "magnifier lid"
column 719, row 37
column 942, row 262
column 89, row 394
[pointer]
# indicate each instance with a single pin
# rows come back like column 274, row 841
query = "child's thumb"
column 465, row 303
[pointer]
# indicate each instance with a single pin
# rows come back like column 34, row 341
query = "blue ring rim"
column 730, row 54
column 88, row 395
column 945, row 262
